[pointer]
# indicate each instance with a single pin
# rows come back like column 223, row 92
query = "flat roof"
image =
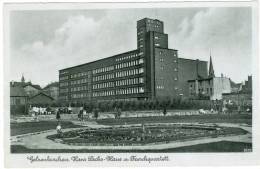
column 166, row 48
column 193, row 59
column 146, row 18
column 99, row 60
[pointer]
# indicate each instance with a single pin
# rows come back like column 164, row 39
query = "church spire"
column 22, row 79
column 211, row 69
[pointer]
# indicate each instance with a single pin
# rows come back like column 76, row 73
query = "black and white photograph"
column 146, row 82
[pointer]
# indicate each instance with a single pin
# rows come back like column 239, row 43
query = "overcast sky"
column 42, row 42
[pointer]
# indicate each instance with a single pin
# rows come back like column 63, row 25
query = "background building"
column 152, row 70
column 40, row 99
column 242, row 96
column 29, row 88
column 190, row 69
column 209, row 88
column 52, row 90
column 18, row 100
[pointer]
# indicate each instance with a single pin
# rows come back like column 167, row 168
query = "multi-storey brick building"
column 150, row 71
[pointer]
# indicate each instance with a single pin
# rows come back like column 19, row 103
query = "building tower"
column 211, row 69
column 151, row 38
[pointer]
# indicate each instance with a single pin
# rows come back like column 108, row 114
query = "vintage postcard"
column 131, row 84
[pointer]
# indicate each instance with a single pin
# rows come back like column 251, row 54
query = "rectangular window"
column 141, row 80
column 141, row 61
column 141, row 70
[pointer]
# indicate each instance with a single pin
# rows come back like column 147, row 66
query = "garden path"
column 39, row 140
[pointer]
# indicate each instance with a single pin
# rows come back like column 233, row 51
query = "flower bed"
column 141, row 135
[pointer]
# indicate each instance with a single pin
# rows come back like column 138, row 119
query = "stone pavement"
column 39, row 140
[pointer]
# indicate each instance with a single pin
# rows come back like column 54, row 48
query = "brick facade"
column 152, row 70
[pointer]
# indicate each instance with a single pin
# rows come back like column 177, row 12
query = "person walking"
column 164, row 111
column 81, row 114
column 59, row 131
column 70, row 109
column 58, row 115
column 84, row 114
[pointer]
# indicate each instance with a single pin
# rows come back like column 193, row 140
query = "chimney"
column 12, row 83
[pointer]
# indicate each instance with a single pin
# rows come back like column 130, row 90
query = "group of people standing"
column 35, row 111
column 82, row 114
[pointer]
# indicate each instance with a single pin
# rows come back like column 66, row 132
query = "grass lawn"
column 223, row 146
column 215, row 118
column 30, row 127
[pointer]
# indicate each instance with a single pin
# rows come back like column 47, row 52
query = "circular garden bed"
column 142, row 134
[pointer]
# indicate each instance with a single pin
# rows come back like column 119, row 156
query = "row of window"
column 131, row 63
column 130, row 72
column 130, row 81
column 104, row 93
column 140, row 31
column 80, row 81
column 133, row 55
column 103, row 77
column 80, row 95
column 18, row 101
column 63, row 97
column 153, row 25
column 174, row 54
column 162, row 60
column 64, row 90
column 134, row 90
column 103, row 69
column 64, row 72
column 103, row 85
column 64, row 77
column 64, row 84
column 159, row 87
column 76, row 75
column 79, row 88
column 153, row 21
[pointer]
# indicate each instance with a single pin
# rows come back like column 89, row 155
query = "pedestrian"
column 164, row 111
column 48, row 110
column 70, row 110
column 37, row 113
column 81, row 113
column 59, row 131
column 58, row 115
column 84, row 114
column 119, row 112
